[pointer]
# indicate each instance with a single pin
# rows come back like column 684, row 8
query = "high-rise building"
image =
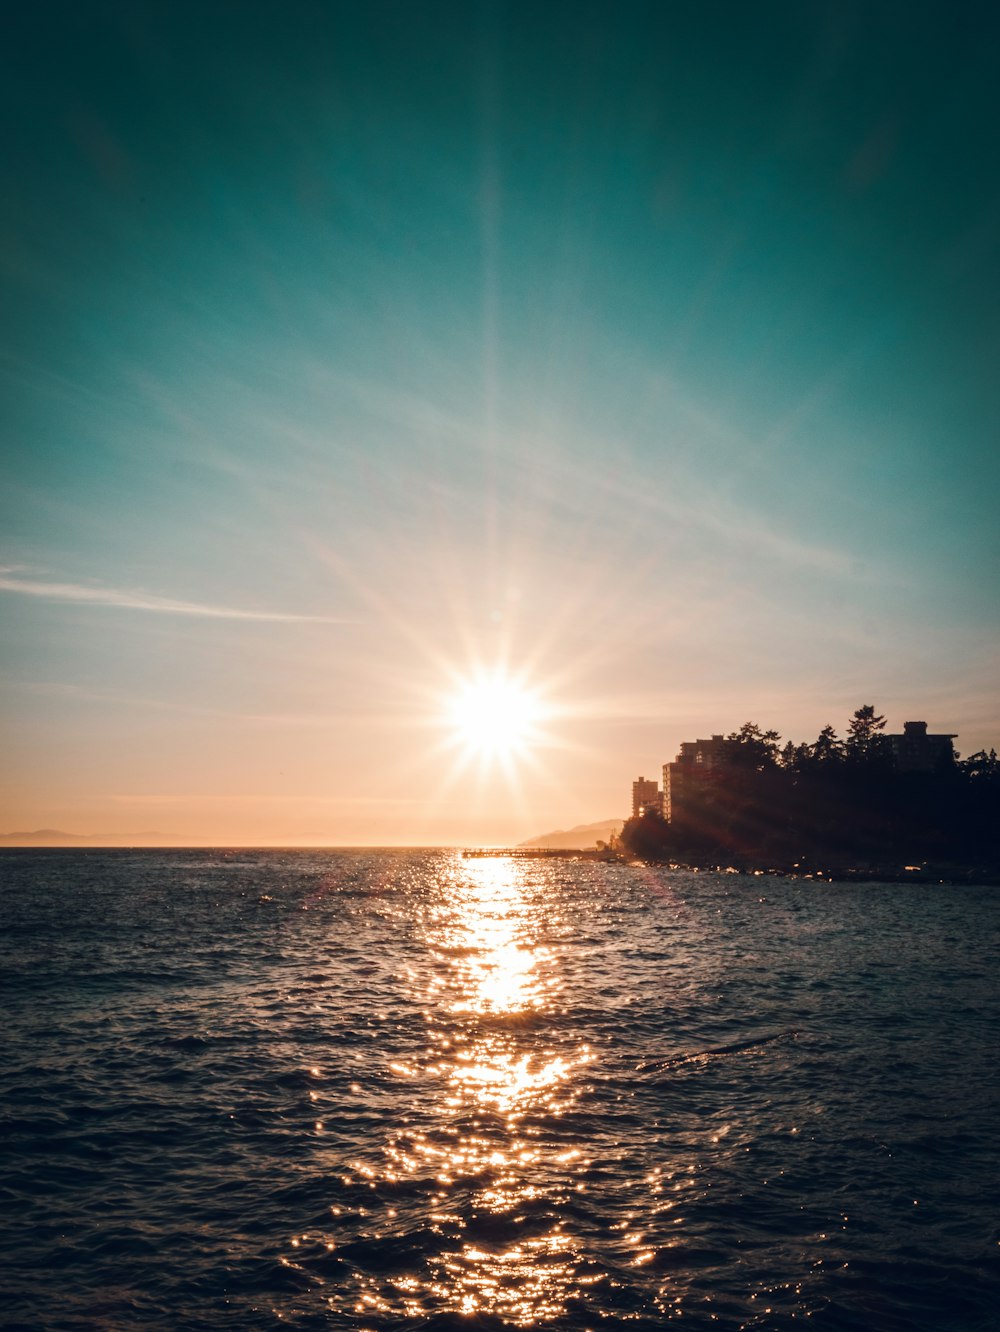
column 695, row 760
column 645, row 795
column 916, row 751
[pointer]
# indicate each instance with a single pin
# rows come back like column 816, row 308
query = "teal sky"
column 645, row 351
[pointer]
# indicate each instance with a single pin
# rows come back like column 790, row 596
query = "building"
column 916, row 751
column 696, row 759
column 645, row 795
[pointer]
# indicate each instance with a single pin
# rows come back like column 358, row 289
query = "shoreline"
column 932, row 873
column 949, row 872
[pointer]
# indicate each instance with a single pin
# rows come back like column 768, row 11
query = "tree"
column 752, row 748
column 865, row 742
column 980, row 766
column 647, row 836
column 826, row 748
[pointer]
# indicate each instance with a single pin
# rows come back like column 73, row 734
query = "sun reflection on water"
column 501, row 1083
column 494, row 1193
column 493, row 961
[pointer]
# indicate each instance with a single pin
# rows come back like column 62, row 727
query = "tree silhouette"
column 750, row 747
column 826, row 748
column 981, row 766
column 865, row 741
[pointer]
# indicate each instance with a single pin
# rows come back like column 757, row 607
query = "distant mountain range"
column 581, row 837
column 55, row 837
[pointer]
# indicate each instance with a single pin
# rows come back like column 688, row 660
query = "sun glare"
column 495, row 715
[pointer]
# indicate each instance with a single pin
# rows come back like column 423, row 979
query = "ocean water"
column 414, row 1091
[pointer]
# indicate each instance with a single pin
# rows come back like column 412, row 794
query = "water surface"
column 407, row 1090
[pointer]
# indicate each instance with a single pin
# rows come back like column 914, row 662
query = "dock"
column 537, row 853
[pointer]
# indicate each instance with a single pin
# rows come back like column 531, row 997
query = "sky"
column 641, row 356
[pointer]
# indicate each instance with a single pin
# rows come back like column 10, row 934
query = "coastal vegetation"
column 835, row 801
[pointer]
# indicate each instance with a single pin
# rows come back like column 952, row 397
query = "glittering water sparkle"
column 407, row 1090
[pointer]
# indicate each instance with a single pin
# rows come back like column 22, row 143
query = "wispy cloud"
column 15, row 579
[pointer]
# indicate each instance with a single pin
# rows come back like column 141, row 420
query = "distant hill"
column 581, row 837
column 55, row 837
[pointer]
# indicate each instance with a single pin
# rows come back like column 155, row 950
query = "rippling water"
column 407, row 1090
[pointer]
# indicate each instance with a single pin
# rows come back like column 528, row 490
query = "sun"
column 495, row 715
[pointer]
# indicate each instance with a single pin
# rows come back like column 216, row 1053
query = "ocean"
column 407, row 1090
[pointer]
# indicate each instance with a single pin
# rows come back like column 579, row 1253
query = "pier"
column 538, row 853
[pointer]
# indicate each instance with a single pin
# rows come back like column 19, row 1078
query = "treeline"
column 838, row 800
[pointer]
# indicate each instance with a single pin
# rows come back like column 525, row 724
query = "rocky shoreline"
column 950, row 872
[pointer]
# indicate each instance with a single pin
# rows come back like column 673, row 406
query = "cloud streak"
column 14, row 580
